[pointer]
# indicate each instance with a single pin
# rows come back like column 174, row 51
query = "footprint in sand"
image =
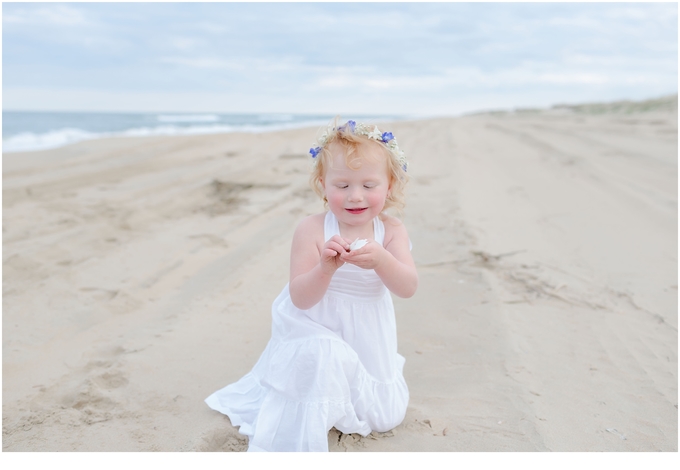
column 222, row 440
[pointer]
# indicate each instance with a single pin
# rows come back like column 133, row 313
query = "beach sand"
column 138, row 276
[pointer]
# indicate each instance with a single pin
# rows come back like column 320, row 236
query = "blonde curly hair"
column 350, row 142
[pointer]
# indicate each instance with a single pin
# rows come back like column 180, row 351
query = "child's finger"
column 356, row 260
column 340, row 241
column 335, row 249
column 360, row 251
column 330, row 253
column 337, row 246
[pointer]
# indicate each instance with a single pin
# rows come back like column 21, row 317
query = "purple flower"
column 315, row 151
column 403, row 167
column 351, row 125
column 387, row 136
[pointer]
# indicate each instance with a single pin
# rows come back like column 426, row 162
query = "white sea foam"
column 28, row 132
column 28, row 141
column 175, row 130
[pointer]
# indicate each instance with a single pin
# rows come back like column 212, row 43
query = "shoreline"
column 166, row 123
column 68, row 135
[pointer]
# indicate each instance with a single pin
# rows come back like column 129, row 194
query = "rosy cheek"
column 335, row 198
column 375, row 198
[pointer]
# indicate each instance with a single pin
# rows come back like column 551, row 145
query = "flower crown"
column 359, row 128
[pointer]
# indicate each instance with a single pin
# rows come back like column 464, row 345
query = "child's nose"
column 356, row 194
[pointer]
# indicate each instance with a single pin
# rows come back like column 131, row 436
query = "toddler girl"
column 332, row 359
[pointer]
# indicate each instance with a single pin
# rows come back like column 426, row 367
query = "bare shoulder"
column 392, row 224
column 307, row 245
column 311, row 227
column 394, row 229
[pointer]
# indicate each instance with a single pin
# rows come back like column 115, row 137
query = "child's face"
column 356, row 196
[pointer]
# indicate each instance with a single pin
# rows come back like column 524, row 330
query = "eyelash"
column 367, row 187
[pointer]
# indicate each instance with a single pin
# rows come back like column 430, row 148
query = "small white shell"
column 356, row 244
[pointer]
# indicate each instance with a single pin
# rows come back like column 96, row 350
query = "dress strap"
column 330, row 226
column 378, row 230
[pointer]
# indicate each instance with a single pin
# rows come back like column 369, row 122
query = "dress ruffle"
column 306, row 388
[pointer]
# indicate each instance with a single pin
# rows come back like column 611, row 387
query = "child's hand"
column 368, row 257
column 332, row 250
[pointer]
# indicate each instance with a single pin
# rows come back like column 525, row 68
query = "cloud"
column 59, row 15
column 335, row 53
column 203, row 63
column 637, row 13
column 525, row 75
column 187, row 44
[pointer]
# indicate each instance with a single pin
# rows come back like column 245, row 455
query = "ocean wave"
column 188, row 118
column 276, row 117
column 28, row 141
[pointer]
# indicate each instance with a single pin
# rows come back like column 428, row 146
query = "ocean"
column 24, row 131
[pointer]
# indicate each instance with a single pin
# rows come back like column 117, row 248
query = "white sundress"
column 333, row 365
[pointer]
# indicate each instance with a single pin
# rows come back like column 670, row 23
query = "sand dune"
column 138, row 275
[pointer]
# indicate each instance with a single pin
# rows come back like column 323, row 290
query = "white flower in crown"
column 375, row 135
column 359, row 128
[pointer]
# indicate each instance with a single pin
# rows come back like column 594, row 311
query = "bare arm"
column 393, row 263
column 312, row 267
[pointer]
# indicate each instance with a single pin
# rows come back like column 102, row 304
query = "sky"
column 334, row 58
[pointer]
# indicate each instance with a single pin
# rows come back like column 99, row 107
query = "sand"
column 138, row 275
